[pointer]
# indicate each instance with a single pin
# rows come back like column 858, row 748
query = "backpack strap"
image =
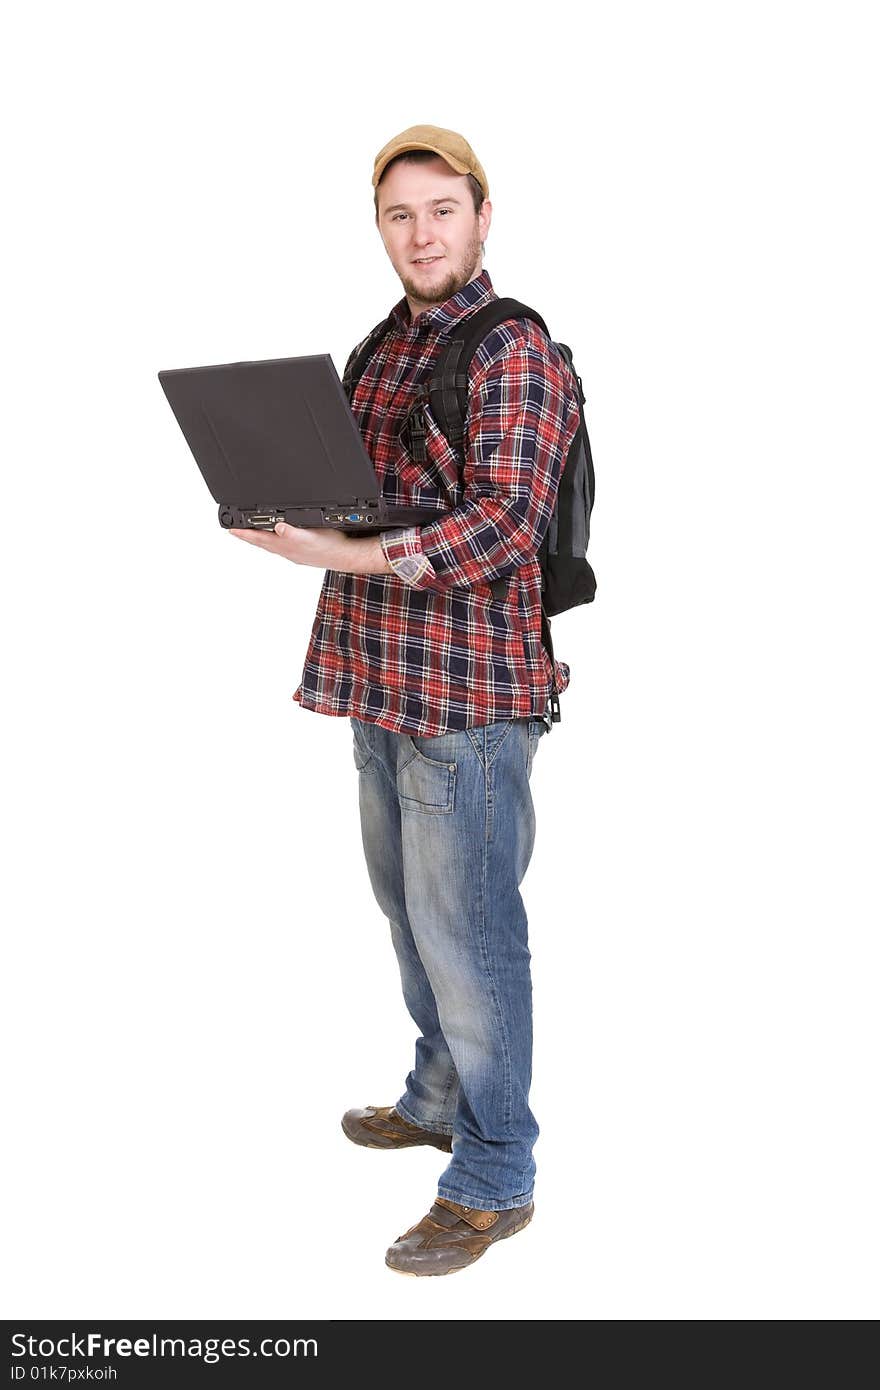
column 448, row 397
column 448, row 387
column 356, row 366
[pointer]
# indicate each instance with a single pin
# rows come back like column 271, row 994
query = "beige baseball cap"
column 447, row 143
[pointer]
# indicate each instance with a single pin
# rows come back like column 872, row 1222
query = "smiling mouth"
column 428, row 260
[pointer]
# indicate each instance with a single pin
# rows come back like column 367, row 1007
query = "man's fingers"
column 266, row 540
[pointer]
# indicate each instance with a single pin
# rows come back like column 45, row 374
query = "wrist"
column 364, row 555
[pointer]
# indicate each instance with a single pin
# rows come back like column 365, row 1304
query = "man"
column 446, row 688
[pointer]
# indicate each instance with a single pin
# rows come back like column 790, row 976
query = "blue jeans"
column 448, row 827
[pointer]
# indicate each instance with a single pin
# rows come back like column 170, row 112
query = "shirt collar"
column 442, row 318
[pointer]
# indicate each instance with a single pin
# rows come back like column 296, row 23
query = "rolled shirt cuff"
column 403, row 551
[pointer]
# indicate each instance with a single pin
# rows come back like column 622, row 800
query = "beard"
column 449, row 281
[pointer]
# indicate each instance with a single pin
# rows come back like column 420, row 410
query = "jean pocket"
column 426, row 783
column 537, row 727
column 360, row 752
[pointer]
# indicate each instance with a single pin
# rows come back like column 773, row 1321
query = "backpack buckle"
column 413, row 431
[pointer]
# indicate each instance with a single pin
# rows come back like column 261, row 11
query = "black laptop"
column 276, row 441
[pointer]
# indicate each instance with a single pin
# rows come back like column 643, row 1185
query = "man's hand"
column 323, row 547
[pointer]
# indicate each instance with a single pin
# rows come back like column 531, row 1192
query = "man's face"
column 426, row 214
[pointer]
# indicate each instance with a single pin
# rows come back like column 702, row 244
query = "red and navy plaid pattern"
column 428, row 649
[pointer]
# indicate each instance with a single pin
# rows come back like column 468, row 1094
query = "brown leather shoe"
column 451, row 1237
column 380, row 1127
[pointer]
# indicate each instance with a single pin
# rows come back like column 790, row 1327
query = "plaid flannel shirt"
column 428, row 649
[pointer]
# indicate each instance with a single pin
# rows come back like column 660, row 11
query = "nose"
column 423, row 230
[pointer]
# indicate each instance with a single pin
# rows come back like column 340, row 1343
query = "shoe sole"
column 414, row 1144
column 454, row 1269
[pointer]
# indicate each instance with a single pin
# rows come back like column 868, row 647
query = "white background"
column 198, row 980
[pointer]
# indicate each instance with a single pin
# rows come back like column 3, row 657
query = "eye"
column 397, row 215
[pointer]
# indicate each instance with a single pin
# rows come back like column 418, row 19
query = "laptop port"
column 263, row 519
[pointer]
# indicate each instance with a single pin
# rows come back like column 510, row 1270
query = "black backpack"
column 567, row 578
